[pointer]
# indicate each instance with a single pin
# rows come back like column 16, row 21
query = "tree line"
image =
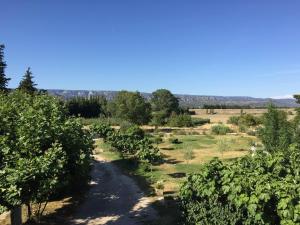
column 26, row 85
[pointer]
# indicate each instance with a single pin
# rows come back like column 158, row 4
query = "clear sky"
column 209, row 47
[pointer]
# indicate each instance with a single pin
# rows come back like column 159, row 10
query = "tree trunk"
column 29, row 213
column 16, row 216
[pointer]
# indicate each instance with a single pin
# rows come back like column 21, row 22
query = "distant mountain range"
column 191, row 101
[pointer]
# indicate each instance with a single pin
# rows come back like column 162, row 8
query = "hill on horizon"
column 186, row 100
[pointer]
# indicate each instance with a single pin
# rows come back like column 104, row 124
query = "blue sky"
column 211, row 47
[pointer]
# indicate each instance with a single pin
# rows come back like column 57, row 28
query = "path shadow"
column 177, row 175
column 110, row 202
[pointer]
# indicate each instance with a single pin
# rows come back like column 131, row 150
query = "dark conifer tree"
column 27, row 85
column 3, row 79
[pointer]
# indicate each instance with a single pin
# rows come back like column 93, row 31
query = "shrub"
column 220, row 129
column 133, row 142
column 134, row 130
column 246, row 120
column 263, row 189
column 200, row 121
column 157, row 140
column 101, row 130
column 180, row 120
column 234, row 120
column 42, row 151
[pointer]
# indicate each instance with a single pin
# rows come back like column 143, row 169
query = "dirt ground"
column 114, row 199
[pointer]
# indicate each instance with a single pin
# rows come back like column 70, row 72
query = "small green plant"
column 188, row 155
column 223, row 145
column 180, row 120
column 157, row 140
column 200, row 121
column 220, row 129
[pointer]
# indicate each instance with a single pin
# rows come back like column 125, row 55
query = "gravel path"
column 114, row 199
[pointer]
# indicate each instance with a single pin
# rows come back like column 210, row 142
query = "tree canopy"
column 42, row 151
column 131, row 106
column 297, row 97
column 163, row 103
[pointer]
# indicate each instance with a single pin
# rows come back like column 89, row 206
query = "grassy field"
column 175, row 167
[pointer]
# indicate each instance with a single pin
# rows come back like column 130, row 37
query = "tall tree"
column 163, row 103
column 131, row 106
column 27, row 85
column 276, row 133
column 3, row 79
column 297, row 97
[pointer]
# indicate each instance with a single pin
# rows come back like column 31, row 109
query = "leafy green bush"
column 101, row 130
column 220, row 129
column 132, row 142
column 263, row 189
column 246, row 120
column 234, row 120
column 157, row 140
column 135, row 130
column 200, row 121
column 180, row 120
column 42, row 150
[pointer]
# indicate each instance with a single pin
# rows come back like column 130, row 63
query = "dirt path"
column 114, row 199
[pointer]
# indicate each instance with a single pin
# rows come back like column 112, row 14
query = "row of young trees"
column 257, row 189
column 130, row 141
column 26, row 85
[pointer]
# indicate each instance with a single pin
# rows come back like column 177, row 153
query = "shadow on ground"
column 115, row 199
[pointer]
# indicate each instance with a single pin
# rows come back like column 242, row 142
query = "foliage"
column 223, row 145
column 131, row 141
column 263, row 189
column 297, row 97
column 276, row 132
column 42, row 151
column 200, row 121
column 3, row 79
column 247, row 120
column 101, row 130
column 136, row 131
column 157, row 140
column 188, row 154
column 220, row 129
column 159, row 118
column 87, row 107
column 163, row 103
column 180, row 120
column 27, row 85
column 234, row 120
column 131, row 106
